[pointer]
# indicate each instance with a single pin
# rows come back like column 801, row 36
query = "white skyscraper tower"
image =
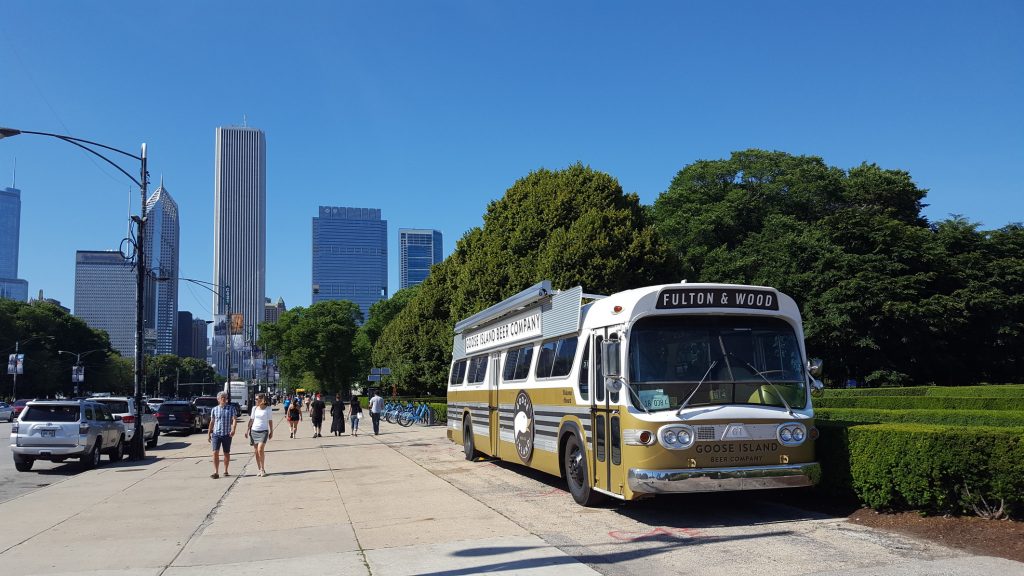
column 240, row 229
column 162, row 244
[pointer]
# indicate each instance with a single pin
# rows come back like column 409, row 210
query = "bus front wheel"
column 468, row 446
column 576, row 475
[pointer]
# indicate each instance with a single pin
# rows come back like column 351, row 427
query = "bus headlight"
column 676, row 437
column 792, row 434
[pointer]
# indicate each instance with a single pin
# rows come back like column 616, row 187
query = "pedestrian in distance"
column 376, row 407
column 223, row 421
column 294, row 414
column 337, row 416
column 355, row 413
column 260, row 430
column 316, row 414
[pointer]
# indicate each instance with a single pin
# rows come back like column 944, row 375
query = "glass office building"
column 350, row 256
column 11, row 287
column 162, row 233
column 420, row 249
column 105, row 296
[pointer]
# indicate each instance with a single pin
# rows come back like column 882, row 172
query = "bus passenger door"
column 606, row 431
column 493, row 413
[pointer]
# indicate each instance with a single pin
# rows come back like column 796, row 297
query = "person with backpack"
column 294, row 414
column 316, row 415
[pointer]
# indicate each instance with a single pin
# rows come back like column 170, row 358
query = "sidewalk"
column 332, row 505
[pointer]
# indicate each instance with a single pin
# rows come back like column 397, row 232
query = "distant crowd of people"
column 260, row 429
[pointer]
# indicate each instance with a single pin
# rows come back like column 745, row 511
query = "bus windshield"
column 717, row 359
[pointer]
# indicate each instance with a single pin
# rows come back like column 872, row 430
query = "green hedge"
column 985, row 391
column 996, row 418
column 921, row 403
column 922, row 467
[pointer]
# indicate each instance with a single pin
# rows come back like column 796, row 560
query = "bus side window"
column 584, row 379
column 598, row 378
column 616, row 444
column 599, row 435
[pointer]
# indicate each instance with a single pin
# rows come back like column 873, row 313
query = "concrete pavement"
column 346, row 505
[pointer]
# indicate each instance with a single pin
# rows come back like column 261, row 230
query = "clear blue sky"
column 430, row 110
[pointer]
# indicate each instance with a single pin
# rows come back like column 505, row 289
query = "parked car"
column 6, row 412
column 56, row 430
column 178, row 416
column 154, row 403
column 203, row 406
column 19, row 405
column 123, row 409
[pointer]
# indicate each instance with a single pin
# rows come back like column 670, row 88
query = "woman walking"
column 355, row 412
column 294, row 415
column 261, row 429
column 337, row 416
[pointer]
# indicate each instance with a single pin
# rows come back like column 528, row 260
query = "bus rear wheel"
column 576, row 475
column 468, row 445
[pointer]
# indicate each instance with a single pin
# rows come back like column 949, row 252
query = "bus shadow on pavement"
column 667, row 544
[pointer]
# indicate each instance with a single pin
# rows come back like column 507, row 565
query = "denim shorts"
column 218, row 442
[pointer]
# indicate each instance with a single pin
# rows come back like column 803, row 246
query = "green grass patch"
column 994, row 418
column 984, row 391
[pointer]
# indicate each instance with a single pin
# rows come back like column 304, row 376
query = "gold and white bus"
column 662, row 389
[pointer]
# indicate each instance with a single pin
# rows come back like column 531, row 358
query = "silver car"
column 56, row 430
column 6, row 412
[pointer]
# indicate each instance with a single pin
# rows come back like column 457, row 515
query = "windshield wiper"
column 695, row 388
column 770, row 383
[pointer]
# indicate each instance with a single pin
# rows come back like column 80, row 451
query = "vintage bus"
column 662, row 389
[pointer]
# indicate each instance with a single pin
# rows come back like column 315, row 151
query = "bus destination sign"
column 675, row 298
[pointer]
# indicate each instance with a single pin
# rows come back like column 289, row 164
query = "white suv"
column 123, row 408
column 56, row 430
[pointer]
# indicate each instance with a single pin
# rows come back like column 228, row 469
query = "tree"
column 315, row 345
column 574, row 227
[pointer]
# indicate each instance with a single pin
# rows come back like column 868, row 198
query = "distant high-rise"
column 420, row 249
column 240, row 227
column 199, row 340
column 105, row 296
column 350, row 256
column 162, row 241
column 11, row 287
column 184, row 348
column 272, row 312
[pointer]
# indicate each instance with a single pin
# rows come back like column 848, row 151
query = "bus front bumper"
column 723, row 479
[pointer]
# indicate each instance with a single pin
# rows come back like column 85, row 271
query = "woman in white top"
column 261, row 429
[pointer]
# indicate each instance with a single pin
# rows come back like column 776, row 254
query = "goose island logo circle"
column 523, row 428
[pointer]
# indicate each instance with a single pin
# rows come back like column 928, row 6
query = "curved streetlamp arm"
column 7, row 132
column 97, row 154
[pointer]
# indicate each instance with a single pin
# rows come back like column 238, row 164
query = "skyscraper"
column 105, row 296
column 199, row 340
column 240, row 227
column 420, row 249
column 184, row 349
column 272, row 312
column 10, row 231
column 162, row 233
column 350, row 256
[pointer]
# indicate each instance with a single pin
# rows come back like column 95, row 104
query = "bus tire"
column 576, row 475
column 468, row 444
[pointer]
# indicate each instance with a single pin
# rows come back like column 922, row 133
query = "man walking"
column 376, row 406
column 316, row 414
column 223, row 421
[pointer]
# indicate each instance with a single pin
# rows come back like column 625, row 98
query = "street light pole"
column 14, row 373
column 137, row 450
column 78, row 363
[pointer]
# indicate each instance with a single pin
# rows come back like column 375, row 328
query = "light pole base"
column 137, row 448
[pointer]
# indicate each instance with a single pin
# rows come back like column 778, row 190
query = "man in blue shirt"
column 223, row 420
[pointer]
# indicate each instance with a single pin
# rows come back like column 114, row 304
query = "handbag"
column 359, row 415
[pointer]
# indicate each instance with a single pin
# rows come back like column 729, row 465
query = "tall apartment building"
column 420, row 249
column 184, row 349
column 162, row 244
column 350, row 256
column 11, row 287
column 105, row 296
column 240, row 228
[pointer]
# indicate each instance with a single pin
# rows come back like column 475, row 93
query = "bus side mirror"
column 814, row 367
column 817, row 388
column 610, row 359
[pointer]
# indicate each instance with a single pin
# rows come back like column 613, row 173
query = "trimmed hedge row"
column 995, row 418
column 988, row 391
column 921, row 467
column 921, row 403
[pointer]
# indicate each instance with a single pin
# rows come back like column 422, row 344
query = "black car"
column 178, row 416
